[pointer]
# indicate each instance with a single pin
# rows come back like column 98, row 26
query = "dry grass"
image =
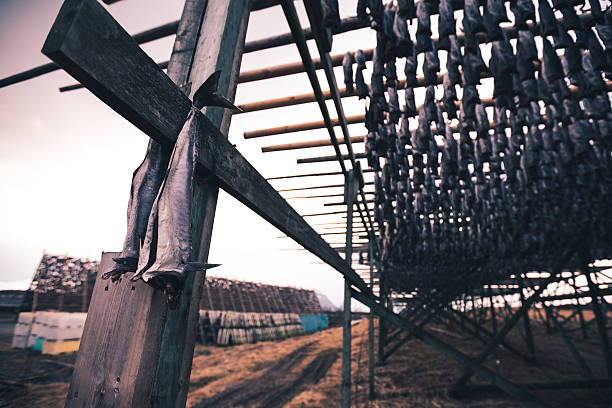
column 305, row 371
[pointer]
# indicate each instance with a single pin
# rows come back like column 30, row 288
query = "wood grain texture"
column 171, row 380
column 217, row 45
column 107, row 370
column 148, row 99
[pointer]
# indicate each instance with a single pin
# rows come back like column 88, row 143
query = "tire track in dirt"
column 254, row 389
column 310, row 375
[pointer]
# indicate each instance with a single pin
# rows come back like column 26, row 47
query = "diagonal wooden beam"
column 502, row 383
column 153, row 103
column 510, row 323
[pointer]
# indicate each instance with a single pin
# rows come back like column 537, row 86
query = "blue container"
column 313, row 323
column 38, row 344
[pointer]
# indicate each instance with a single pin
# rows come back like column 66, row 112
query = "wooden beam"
column 318, row 124
column 347, row 24
column 321, row 159
column 149, row 100
column 500, row 382
column 308, row 144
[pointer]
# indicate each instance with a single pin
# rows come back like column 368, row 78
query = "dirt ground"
column 305, row 371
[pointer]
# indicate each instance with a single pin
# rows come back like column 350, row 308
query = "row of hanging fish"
column 501, row 183
column 158, row 243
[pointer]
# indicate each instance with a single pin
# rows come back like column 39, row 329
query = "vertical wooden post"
column 527, row 324
column 493, row 316
column 60, row 302
column 135, row 351
column 350, row 191
column 85, row 289
column 601, row 322
column 579, row 310
column 220, row 34
column 371, row 362
column 382, row 325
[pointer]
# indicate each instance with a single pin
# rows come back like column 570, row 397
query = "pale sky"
column 66, row 160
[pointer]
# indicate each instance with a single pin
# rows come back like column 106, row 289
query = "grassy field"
column 304, row 371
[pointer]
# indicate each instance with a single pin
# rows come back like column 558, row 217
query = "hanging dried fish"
column 394, row 109
column 146, row 182
column 361, row 89
column 347, row 67
column 330, row 14
column 403, row 41
column 410, row 108
column 165, row 258
column 472, row 20
column 390, row 73
column 548, row 23
column 446, row 24
column 551, row 66
column 410, row 69
column 406, row 9
column 523, row 11
column 431, row 67
column 450, row 97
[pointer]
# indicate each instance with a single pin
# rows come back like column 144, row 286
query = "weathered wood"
column 480, row 370
column 309, row 67
column 350, row 194
column 141, row 38
column 321, row 159
column 371, row 360
column 510, row 323
column 347, row 24
column 600, row 318
column 308, row 144
column 150, row 101
column 108, row 370
column 317, row 124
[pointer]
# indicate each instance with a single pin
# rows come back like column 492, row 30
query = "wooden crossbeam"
column 500, row 382
column 152, row 102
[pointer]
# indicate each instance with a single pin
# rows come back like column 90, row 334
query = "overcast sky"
column 66, row 160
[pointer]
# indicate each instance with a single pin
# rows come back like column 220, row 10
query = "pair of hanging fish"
column 157, row 246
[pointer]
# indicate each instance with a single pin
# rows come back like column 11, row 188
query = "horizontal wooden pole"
column 140, row 38
column 293, row 68
column 367, row 183
column 328, row 173
column 343, row 203
column 288, row 101
column 113, row 67
column 500, row 382
column 321, row 159
column 346, row 24
column 322, row 196
column 318, row 124
column 308, row 144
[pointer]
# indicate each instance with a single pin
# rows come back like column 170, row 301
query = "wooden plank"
column 350, row 193
column 90, row 45
column 107, row 365
column 171, row 382
column 480, row 370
